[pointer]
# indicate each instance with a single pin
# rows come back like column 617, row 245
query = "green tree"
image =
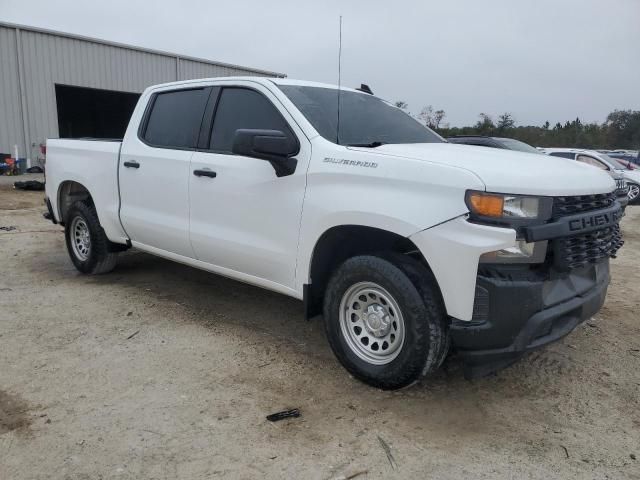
column 505, row 122
column 620, row 130
column 485, row 125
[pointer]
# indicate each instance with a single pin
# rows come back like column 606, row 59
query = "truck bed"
column 94, row 165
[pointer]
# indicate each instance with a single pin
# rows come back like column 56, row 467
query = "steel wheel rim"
column 634, row 191
column 80, row 238
column 371, row 323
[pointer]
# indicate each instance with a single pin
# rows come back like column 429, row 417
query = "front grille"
column 577, row 251
column 563, row 206
column 580, row 250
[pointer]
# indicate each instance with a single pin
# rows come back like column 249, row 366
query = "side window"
column 569, row 155
column 175, row 117
column 240, row 108
column 591, row 161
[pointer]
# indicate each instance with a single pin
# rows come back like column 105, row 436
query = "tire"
column 406, row 312
column 634, row 194
column 87, row 244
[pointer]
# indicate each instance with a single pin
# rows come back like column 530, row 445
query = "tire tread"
column 102, row 259
column 430, row 335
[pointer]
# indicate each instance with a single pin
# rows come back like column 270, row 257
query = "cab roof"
column 261, row 80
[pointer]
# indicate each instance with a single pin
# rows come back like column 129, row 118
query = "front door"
column 245, row 219
column 154, row 171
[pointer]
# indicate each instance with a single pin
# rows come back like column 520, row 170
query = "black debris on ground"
column 276, row 417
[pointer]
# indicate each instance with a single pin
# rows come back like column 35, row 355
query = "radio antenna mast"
column 339, row 79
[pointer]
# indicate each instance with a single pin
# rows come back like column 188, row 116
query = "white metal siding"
column 50, row 58
column 189, row 69
column 10, row 111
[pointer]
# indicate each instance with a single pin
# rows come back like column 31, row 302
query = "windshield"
column 364, row 119
column 512, row 144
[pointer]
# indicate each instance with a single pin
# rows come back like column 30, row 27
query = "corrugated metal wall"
column 48, row 59
column 189, row 69
column 11, row 129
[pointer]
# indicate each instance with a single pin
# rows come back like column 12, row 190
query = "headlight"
column 513, row 211
column 505, row 207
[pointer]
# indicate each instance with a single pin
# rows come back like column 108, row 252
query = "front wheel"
column 87, row 244
column 385, row 320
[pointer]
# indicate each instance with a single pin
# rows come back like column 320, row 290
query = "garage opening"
column 91, row 112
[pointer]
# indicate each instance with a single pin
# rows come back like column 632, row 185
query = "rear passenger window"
column 240, row 108
column 175, row 117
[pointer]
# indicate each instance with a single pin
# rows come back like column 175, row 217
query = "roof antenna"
column 365, row 88
column 339, row 79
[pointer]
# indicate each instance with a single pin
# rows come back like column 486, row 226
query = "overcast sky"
column 538, row 59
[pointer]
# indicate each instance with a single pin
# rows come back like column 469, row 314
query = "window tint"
column 512, row 144
column 175, row 118
column 364, row 119
column 569, row 155
column 240, row 108
column 592, row 161
column 477, row 143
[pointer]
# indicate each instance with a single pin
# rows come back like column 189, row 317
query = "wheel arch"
column 341, row 242
column 69, row 192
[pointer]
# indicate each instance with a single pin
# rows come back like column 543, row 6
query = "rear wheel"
column 87, row 244
column 634, row 193
column 385, row 320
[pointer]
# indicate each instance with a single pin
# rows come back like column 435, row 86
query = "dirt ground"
column 161, row 371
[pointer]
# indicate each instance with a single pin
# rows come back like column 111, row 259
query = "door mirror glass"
column 271, row 145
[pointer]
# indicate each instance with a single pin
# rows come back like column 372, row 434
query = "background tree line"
column 621, row 129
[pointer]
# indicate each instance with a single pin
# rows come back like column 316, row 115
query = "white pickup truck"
column 408, row 245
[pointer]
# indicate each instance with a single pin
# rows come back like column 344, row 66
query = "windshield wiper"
column 367, row 145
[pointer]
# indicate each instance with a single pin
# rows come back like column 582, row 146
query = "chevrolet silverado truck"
column 407, row 245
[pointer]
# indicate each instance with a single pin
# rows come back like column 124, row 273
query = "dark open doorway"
column 90, row 112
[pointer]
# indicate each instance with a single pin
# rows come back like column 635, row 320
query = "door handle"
column 131, row 164
column 204, row 173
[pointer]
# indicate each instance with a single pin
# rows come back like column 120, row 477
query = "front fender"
column 452, row 250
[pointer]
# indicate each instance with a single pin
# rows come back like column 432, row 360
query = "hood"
column 508, row 171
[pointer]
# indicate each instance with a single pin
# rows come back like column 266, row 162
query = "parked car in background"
column 494, row 142
column 625, row 158
column 631, row 173
column 603, row 162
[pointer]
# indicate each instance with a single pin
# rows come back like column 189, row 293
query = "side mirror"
column 271, row 145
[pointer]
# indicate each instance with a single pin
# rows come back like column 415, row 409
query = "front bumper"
column 518, row 310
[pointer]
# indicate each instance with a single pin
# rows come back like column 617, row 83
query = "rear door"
column 154, row 170
column 245, row 219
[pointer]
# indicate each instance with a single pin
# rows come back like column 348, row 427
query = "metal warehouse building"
column 55, row 84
